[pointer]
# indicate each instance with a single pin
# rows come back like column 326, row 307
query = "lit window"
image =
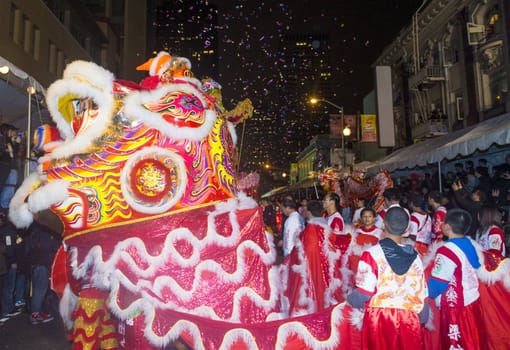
column 494, row 18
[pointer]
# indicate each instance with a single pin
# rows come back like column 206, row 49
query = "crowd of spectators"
column 25, row 255
column 11, row 162
column 424, row 217
column 469, row 187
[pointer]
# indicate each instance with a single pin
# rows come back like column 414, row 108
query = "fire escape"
column 426, row 74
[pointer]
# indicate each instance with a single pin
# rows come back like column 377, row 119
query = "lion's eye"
column 79, row 106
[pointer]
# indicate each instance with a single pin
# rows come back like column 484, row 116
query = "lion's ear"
column 82, row 105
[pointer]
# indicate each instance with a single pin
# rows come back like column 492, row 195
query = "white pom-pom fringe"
column 67, row 306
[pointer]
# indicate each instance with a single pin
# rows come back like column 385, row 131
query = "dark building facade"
column 185, row 29
column 286, row 127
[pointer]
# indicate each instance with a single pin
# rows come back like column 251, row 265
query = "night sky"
column 251, row 58
column 359, row 30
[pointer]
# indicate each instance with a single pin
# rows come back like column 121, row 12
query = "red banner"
column 336, row 125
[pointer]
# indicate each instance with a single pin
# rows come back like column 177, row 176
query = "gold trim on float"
column 157, row 216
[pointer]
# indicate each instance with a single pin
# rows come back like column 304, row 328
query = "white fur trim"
column 106, row 275
column 20, row 216
column 501, row 274
column 19, row 213
column 306, row 304
column 47, row 195
column 134, row 109
column 431, row 254
column 242, row 202
column 232, row 130
column 185, row 60
column 335, row 283
column 67, row 305
column 290, row 329
column 35, row 194
column 357, row 318
column 154, row 70
column 84, row 79
column 430, row 322
column 98, row 77
column 345, row 269
column 238, row 334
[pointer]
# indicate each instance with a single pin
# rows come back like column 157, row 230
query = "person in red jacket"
column 438, row 215
column 490, row 235
column 331, row 205
column 311, row 269
column 420, row 225
column 455, row 280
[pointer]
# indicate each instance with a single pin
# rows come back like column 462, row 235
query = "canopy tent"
column 21, row 97
column 305, row 186
column 465, row 142
column 275, row 191
column 310, row 182
column 364, row 165
column 14, row 97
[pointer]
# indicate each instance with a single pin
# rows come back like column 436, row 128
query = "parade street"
column 19, row 334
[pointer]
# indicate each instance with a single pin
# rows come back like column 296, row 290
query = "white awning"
column 14, row 97
column 275, row 191
column 465, row 142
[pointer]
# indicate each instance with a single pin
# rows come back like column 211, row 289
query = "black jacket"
column 42, row 244
column 8, row 235
column 463, row 199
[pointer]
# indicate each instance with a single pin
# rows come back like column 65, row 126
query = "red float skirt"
column 392, row 329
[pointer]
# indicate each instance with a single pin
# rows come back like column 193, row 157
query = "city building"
column 170, row 29
column 316, row 58
column 323, row 151
column 305, row 66
column 450, row 68
column 40, row 37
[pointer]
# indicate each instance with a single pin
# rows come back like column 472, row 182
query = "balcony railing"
column 426, row 76
column 430, row 128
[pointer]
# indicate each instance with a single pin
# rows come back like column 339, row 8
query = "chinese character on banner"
column 368, row 128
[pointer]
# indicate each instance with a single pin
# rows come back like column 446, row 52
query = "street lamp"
column 276, row 172
column 346, row 130
column 31, row 91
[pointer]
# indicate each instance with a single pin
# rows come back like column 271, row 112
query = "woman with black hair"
column 490, row 234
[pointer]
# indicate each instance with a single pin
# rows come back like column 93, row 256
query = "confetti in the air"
column 279, row 54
